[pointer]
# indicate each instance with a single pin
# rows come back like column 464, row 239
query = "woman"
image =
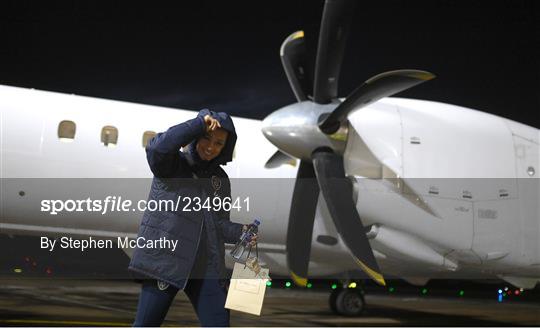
column 201, row 233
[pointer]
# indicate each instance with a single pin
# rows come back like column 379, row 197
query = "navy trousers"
column 206, row 295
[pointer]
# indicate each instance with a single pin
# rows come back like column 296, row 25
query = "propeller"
column 337, row 190
column 377, row 87
column 311, row 131
column 299, row 234
column 293, row 55
column 336, row 20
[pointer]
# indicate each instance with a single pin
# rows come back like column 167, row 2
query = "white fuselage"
column 447, row 189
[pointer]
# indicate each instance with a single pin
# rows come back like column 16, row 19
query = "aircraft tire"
column 347, row 302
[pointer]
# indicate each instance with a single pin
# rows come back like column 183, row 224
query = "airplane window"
column 66, row 131
column 109, row 136
column 147, row 135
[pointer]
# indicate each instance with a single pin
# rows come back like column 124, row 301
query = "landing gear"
column 347, row 301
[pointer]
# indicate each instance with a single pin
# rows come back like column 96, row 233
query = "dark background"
column 224, row 55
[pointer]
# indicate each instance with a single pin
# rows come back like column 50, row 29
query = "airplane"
column 391, row 186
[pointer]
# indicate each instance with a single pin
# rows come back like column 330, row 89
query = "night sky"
column 224, row 55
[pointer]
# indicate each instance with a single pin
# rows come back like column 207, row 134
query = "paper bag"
column 246, row 291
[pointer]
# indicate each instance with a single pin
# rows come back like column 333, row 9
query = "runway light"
column 334, row 286
column 309, row 285
column 461, row 292
column 504, row 294
column 269, row 284
column 288, row 284
column 424, row 291
column 500, row 291
column 521, row 290
column 505, row 289
column 516, row 292
column 17, row 270
column 500, row 299
column 391, row 289
column 352, row 285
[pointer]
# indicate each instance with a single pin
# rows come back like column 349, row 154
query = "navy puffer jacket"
column 184, row 174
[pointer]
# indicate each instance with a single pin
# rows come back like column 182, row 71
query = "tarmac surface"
column 113, row 303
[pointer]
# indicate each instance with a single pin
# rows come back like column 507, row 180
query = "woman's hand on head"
column 211, row 123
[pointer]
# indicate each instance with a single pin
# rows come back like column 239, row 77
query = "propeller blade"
column 336, row 20
column 294, row 59
column 301, row 218
column 377, row 87
column 279, row 158
column 337, row 190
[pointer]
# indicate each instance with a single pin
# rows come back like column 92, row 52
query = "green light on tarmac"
column 269, row 284
column 334, row 286
column 424, row 291
column 288, row 284
column 309, row 285
column 461, row 292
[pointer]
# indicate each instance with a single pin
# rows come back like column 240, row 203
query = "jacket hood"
column 226, row 154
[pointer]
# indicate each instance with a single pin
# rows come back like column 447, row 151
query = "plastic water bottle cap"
column 256, row 222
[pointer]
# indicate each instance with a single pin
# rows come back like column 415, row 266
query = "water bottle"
column 244, row 240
